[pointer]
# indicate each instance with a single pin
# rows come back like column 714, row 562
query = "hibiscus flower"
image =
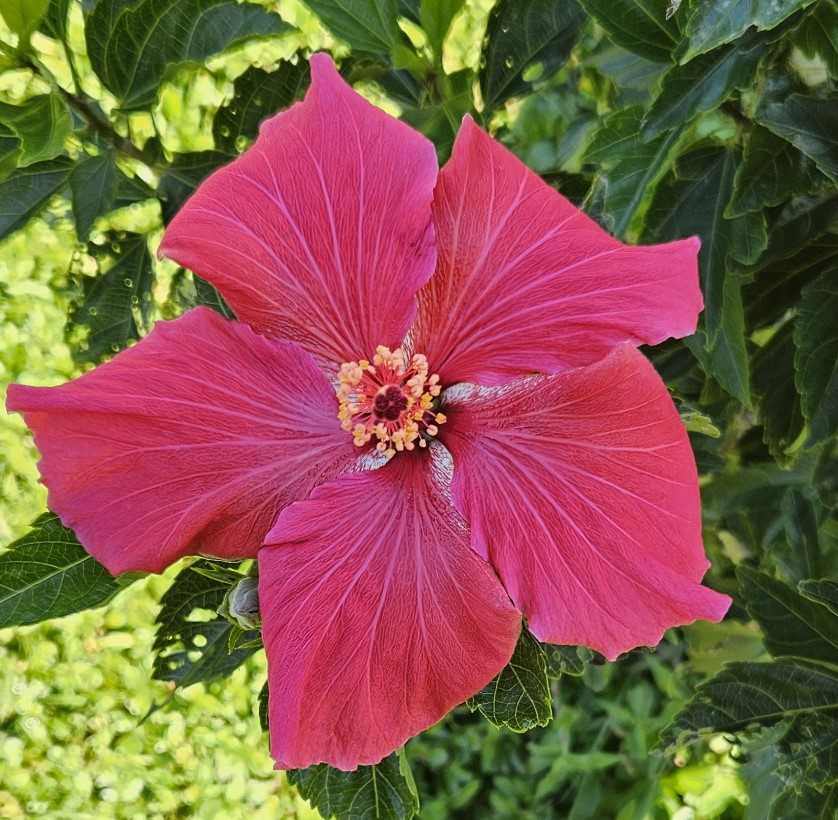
column 429, row 422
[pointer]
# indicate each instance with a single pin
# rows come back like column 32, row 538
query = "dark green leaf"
column 713, row 24
column 631, row 168
column 810, row 750
column 633, row 77
column 640, row 26
column 23, row 16
column 27, row 190
column 688, row 90
column 379, row 792
column 47, row 574
column 824, row 592
column 41, row 124
column 132, row 46
column 519, row 697
column 93, row 183
column 816, row 338
column 800, row 222
column 808, row 123
column 793, row 625
column 98, row 188
column 693, row 201
column 566, row 660
column 369, row 26
column 9, row 151
column 777, row 398
column 800, row 525
column 183, row 176
column 258, row 94
column 116, row 305
column 772, row 171
column 817, row 36
column 800, row 801
column 435, row 17
column 263, row 706
column 745, row 694
column 55, row 22
column 521, row 35
column 189, row 648
column 778, row 285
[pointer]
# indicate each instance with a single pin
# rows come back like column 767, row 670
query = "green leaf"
column 817, row 35
column 693, row 201
column 47, row 574
column 258, row 94
column 745, row 694
column 641, row 26
column 27, row 190
column 772, row 171
column 9, row 151
column 631, row 168
column 368, row 26
column 793, row 625
column 800, row 524
column 810, row 750
column 702, row 85
column 713, row 24
column 132, row 46
column 809, row 123
column 116, row 305
column 522, row 35
column 566, row 660
column 184, row 175
column 188, row 647
column 93, row 183
column 435, row 17
column 778, row 401
column 823, row 592
column 23, row 16
column 519, row 697
column 55, row 22
column 800, row 801
column 264, row 696
column 816, row 362
column 41, row 124
column 378, row 792
column 99, row 187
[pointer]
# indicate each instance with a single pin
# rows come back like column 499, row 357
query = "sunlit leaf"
column 379, row 792
column 519, row 697
column 48, row 574
column 42, row 124
column 133, row 46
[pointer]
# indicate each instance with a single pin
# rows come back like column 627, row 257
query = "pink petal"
column 581, row 489
column 377, row 617
column 320, row 233
column 189, row 442
column 527, row 283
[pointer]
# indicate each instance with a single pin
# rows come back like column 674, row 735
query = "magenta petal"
column 377, row 617
column 527, row 283
column 321, row 232
column 581, row 489
column 189, row 442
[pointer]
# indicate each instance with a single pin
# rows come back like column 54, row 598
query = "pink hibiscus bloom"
column 555, row 481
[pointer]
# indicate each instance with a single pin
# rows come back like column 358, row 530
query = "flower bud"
column 241, row 604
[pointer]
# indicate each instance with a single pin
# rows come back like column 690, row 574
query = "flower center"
column 390, row 400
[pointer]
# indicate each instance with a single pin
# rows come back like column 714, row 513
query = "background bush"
column 661, row 119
